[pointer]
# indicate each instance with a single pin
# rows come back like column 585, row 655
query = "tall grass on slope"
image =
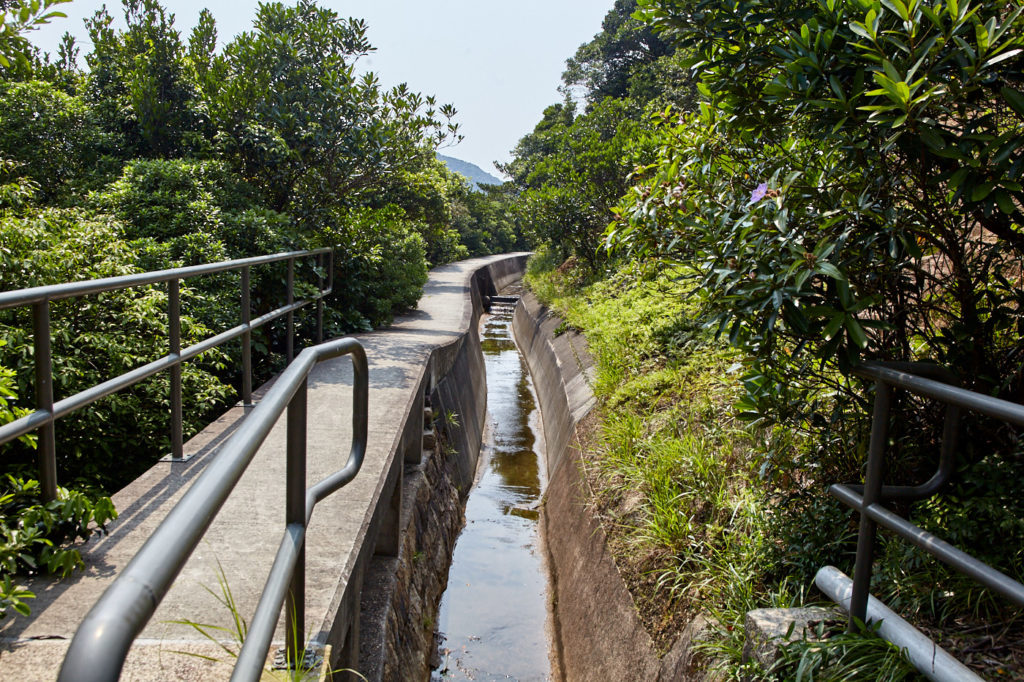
column 677, row 480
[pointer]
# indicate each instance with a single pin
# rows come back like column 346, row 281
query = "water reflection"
column 492, row 616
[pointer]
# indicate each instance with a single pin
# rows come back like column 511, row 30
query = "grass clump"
column 839, row 656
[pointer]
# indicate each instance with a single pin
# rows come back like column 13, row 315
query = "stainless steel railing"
column 47, row 411
column 870, row 498
column 102, row 641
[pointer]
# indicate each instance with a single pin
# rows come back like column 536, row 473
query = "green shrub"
column 849, row 188
column 33, row 534
column 53, row 135
column 94, row 339
column 181, row 212
column 380, row 264
column 165, row 199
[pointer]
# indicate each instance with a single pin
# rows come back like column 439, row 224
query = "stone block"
column 767, row 629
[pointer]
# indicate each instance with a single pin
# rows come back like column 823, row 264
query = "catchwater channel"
column 494, row 619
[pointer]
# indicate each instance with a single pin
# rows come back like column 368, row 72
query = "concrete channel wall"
column 403, row 587
column 598, row 634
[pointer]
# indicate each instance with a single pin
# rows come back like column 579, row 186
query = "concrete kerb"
column 344, row 533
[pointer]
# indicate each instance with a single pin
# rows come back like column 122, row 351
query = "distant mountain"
column 477, row 175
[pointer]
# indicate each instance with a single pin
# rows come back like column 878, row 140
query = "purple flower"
column 759, row 192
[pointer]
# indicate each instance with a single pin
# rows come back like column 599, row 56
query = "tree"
column 852, row 184
column 16, row 19
column 140, row 83
column 487, row 221
column 302, row 126
column 94, row 342
column 53, row 135
column 571, row 171
column 621, row 55
column 427, row 194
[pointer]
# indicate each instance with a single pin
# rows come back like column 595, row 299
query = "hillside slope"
column 476, row 175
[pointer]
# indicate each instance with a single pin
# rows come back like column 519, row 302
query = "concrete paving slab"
column 243, row 539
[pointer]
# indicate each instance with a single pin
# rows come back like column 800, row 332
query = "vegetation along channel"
column 780, row 243
column 493, row 613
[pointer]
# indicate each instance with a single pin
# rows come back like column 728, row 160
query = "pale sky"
column 498, row 62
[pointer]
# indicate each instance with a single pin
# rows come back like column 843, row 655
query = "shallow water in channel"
column 492, row 620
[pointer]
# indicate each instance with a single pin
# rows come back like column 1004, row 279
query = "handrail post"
column 295, row 513
column 43, row 419
column 47, row 454
column 174, row 332
column 291, row 313
column 320, row 298
column 246, row 340
column 330, row 270
column 872, row 494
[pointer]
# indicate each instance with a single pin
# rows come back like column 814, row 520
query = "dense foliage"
column 166, row 151
column 849, row 188
column 834, row 181
column 866, row 175
column 571, row 171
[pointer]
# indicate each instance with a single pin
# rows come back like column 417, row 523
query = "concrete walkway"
column 243, row 539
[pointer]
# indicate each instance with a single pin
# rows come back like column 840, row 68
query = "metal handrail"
column 47, row 411
column 102, row 642
column 869, row 499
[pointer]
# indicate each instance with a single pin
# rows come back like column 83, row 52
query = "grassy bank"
column 683, row 487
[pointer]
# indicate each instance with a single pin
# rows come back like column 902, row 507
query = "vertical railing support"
column 320, row 262
column 295, row 515
column 330, row 270
column 246, row 340
column 291, row 314
column 174, row 334
column 47, row 453
column 872, row 494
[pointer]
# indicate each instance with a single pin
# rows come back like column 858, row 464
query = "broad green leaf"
column 898, row 7
column 981, row 35
column 931, row 138
column 1004, row 201
column 1014, row 98
column 1009, row 54
column 833, row 326
column 889, row 86
column 982, row 190
column 856, row 332
column 861, row 30
column 904, row 91
column 830, row 270
column 891, row 71
column 958, row 177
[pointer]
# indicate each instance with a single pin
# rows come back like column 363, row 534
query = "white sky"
column 498, row 62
